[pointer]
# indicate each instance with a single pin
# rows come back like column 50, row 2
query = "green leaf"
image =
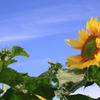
column 27, row 86
column 70, row 81
column 4, row 63
column 18, row 51
column 10, row 77
column 52, row 71
column 14, row 95
column 39, row 86
column 73, row 75
column 89, row 83
column 11, row 95
column 24, row 74
column 94, row 73
column 55, row 66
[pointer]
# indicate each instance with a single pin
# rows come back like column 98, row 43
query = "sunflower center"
column 89, row 49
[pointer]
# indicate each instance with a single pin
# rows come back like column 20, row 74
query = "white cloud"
column 92, row 91
column 41, row 22
column 20, row 37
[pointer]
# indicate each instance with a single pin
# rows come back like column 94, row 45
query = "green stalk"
column 5, row 55
column 4, row 88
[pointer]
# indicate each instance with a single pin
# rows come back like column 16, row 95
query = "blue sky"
column 40, row 27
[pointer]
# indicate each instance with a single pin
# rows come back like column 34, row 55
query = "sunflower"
column 89, row 45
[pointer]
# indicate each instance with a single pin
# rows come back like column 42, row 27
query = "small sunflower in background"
column 89, row 44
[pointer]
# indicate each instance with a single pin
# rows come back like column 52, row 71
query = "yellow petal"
column 93, row 26
column 98, row 42
column 41, row 98
column 75, row 58
column 77, row 44
column 90, row 62
column 76, row 65
column 74, row 61
column 83, row 35
column 97, row 56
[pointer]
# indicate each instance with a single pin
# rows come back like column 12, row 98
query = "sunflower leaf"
column 11, row 95
column 89, row 83
column 14, row 95
column 70, row 81
column 4, row 63
column 73, row 75
column 94, row 73
column 18, row 51
column 39, row 86
column 52, row 71
column 10, row 77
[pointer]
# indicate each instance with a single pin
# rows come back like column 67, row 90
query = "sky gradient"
column 40, row 27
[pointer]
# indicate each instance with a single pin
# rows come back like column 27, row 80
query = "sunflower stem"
column 4, row 88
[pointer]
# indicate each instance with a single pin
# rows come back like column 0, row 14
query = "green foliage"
column 89, row 83
column 94, row 74
column 18, row 51
column 69, row 81
column 40, row 86
column 52, row 71
column 4, row 63
column 14, row 95
column 10, row 77
column 24, row 87
column 11, row 95
column 5, row 54
column 28, row 89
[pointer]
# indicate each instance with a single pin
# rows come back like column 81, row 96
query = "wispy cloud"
column 41, row 22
